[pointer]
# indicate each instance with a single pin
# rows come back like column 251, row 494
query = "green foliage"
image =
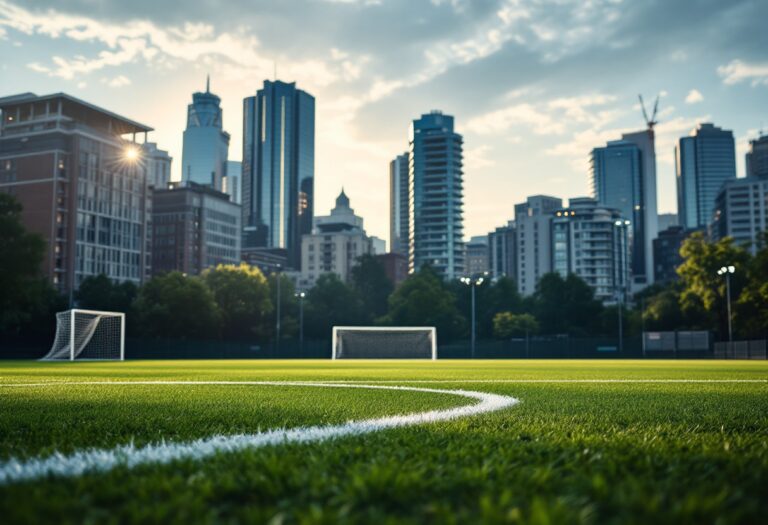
column 491, row 297
column 331, row 302
column 566, row 306
column 507, row 324
column 176, row 306
column 424, row 300
column 751, row 309
column 373, row 287
column 289, row 307
column 243, row 298
column 24, row 295
column 100, row 293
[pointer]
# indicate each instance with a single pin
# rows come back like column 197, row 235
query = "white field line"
column 103, row 460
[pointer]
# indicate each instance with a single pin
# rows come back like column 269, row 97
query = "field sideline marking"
column 104, row 460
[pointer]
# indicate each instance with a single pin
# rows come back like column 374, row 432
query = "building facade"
column 278, row 168
column 398, row 204
column 741, row 212
column 667, row 220
column 618, row 180
column 593, row 242
column 666, row 253
column 704, row 161
column 334, row 245
column 502, row 260
column 757, row 157
column 77, row 171
column 436, row 190
column 194, row 227
column 158, row 165
column 533, row 248
column 476, row 258
column 206, row 144
column 395, row 267
column 232, row 181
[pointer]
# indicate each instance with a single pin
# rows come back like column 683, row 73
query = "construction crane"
column 650, row 122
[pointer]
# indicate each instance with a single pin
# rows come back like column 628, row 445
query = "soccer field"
column 484, row 441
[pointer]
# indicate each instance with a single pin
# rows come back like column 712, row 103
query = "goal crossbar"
column 337, row 341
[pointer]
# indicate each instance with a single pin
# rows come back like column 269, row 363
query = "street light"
column 472, row 283
column 621, row 283
column 301, row 296
column 727, row 271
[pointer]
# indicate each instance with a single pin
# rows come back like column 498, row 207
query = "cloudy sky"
column 534, row 85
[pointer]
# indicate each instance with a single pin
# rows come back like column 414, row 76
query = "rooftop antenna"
column 208, row 83
column 650, row 122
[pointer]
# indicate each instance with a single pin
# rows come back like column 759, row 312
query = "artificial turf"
column 588, row 452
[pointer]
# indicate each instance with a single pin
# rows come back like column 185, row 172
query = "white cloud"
column 118, row 81
column 694, row 96
column 738, row 71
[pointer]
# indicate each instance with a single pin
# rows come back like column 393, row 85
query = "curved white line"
column 103, row 460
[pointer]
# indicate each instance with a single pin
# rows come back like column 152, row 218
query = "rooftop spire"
column 208, row 83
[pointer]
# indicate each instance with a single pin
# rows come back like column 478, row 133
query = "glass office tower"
column 278, row 168
column 436, row 191
column 206, row 144
column 704, row 161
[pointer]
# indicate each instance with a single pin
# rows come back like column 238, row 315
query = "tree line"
column 239, row 303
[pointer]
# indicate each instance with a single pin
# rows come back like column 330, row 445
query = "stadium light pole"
column 277, row 312
column 472, row 283
column 301, row 296
column 727, row 271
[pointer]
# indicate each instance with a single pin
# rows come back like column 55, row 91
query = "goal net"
column 88, row 334
column 362, row 342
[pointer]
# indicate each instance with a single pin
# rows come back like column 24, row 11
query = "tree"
column 491, row 297
column 24, row 293
column 243, row 298
column 751, row 312
column 566, row 306
column 423, row 300
column 174, row 305
column 703, row 293
column 98, row 292
column 289, row 306
column 373, row 287
column 507, row 325
column 331, row 303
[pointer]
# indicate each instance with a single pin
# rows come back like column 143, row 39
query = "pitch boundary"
column 103, row 460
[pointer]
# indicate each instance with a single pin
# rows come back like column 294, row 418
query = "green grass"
column 568, row 453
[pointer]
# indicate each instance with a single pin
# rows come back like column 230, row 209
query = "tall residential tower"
column 436, row 191
column 278, row 168
column 398, row 204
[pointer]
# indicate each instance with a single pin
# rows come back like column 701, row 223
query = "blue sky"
column 533, row 85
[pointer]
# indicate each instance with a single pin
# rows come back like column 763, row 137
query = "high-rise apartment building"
column 206, row 144
column 502, row 261
column 757, row 157
column 436, row 191
column 278, row 168
column 82, row 182
column 476, row 258
column 194, row 227
column 232, row 181
column 158, row 165
column 621, row 180
column 398, row 204
column 704, row 161
column 741, row 212
column 592, row 241
column 533, row 248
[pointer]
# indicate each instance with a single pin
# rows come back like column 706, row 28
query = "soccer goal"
column 88, row 335
column 373, row 342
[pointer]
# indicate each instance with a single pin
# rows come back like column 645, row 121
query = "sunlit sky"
column 534, row 86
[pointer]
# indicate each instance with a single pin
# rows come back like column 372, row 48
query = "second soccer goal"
column 369, row 342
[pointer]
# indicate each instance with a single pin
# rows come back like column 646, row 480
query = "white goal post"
column 88, row 335
column 384, row 342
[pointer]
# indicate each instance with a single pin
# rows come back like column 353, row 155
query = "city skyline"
column 526, row 129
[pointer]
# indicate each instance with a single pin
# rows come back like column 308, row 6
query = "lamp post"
column 727, row 271
column 621, row 283
column 301, row 296
column 472, row 283
column 277, row 312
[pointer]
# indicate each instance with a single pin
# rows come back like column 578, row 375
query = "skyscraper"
column 533, row 248
column 206, row 144
column 398, row 204
column 278, row 168
column 158, row 164
column 757, row 157
column 704, row 161
column 502, row 258
column 436, row 190
column 232, row 185
column 620, row 180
